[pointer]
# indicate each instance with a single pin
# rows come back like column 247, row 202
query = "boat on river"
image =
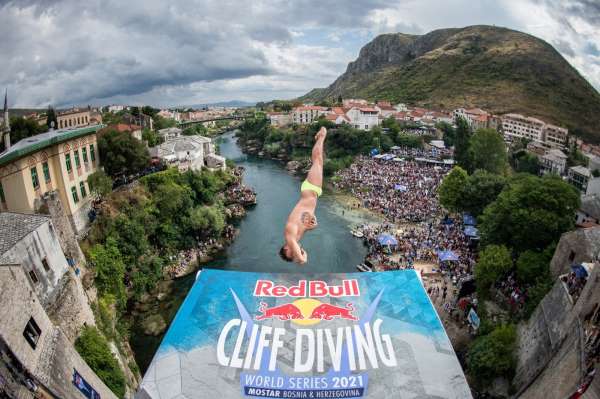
column 364, row 268
column 357, row 233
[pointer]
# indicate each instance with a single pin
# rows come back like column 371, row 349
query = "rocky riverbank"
column 149, row 309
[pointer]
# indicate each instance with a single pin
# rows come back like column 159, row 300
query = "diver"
column 302, row 217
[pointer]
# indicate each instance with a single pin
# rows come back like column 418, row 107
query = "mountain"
column 231, row 103
column 497, row 69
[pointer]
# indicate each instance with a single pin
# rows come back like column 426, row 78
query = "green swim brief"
column 306, row 185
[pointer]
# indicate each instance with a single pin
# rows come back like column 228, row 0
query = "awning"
column 471, row 231
column 445, row 256
column 387, row 239
column 469, row 220
column 579, row 270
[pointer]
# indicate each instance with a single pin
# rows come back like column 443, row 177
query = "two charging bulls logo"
column 305, row 310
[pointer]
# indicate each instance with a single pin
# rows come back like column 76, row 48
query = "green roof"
column 35, row 143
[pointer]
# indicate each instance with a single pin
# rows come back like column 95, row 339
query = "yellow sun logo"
column 306, row 306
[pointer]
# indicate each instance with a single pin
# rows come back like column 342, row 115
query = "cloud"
column 65, row 52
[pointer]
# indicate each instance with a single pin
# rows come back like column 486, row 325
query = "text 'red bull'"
column 314, row 288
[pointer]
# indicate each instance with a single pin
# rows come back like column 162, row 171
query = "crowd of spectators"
column 400, row 191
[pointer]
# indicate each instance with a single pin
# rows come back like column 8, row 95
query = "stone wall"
column 71, row 310
column 561, row 375
column 542, row 335
column 551, row 343
column 64, row 227
column 581, row 245
column 53, row 358
column 57, row 371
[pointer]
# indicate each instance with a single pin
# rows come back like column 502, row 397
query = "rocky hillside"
column 494, row 68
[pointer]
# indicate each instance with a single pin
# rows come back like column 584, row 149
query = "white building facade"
column 363, row 117
column 307, row 114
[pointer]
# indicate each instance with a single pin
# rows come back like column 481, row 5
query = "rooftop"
column 32, row 144
column 179, row 144
column 582, row 170
column 15, row 226
column 555, row 154
column 525, row 118
column 590, row 204
column 123, row 127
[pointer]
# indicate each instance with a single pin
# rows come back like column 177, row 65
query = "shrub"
column 493, row 355
column 94, row 349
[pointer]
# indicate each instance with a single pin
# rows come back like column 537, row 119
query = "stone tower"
column 5, row 128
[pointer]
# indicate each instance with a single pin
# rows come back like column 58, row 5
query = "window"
column 92, row 153
column 33, row 276
column 82, row 189
column 45, row 264
column 68, row 162
column 84, row 154
column 74, row 194
column 46, row 171
column 32, row 333
column 2, row 197
column 34, row 178
column 77, row 161
column 571, row 256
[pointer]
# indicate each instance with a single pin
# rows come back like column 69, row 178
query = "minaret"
column 6, row 128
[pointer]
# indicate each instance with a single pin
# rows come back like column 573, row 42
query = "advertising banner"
column 269, row 335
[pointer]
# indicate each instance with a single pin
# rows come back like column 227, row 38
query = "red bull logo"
column 327, row 311
column 289, row 311
column 306, row 311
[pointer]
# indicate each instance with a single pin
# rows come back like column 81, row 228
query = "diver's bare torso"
column 302, row 217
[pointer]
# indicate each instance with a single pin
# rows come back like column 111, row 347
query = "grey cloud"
column 68, row 52
column 72, row 52
column 588, row 10
column 592, row 49
column 564, row 47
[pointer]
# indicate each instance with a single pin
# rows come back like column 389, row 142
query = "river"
column 330, row 247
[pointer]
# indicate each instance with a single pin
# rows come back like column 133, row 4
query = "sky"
column 183, row 52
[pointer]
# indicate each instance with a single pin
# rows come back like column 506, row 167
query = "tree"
column 461, row 143
column 494, row 262
column 207, row 220
column 21, row 128
column 51, row 117
column 122, row 154
column 487, row 151
column 493, row 355
column 151, row 137
column 530, row 213
column 163, row 123
column 94, row 349
column 196, row 129
column 110, row 270
column 340, row 101
column 448, row 131
column 532, row 265
column 452, row 188
column 482, row 188
column 525, row 162
column 100, row 184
